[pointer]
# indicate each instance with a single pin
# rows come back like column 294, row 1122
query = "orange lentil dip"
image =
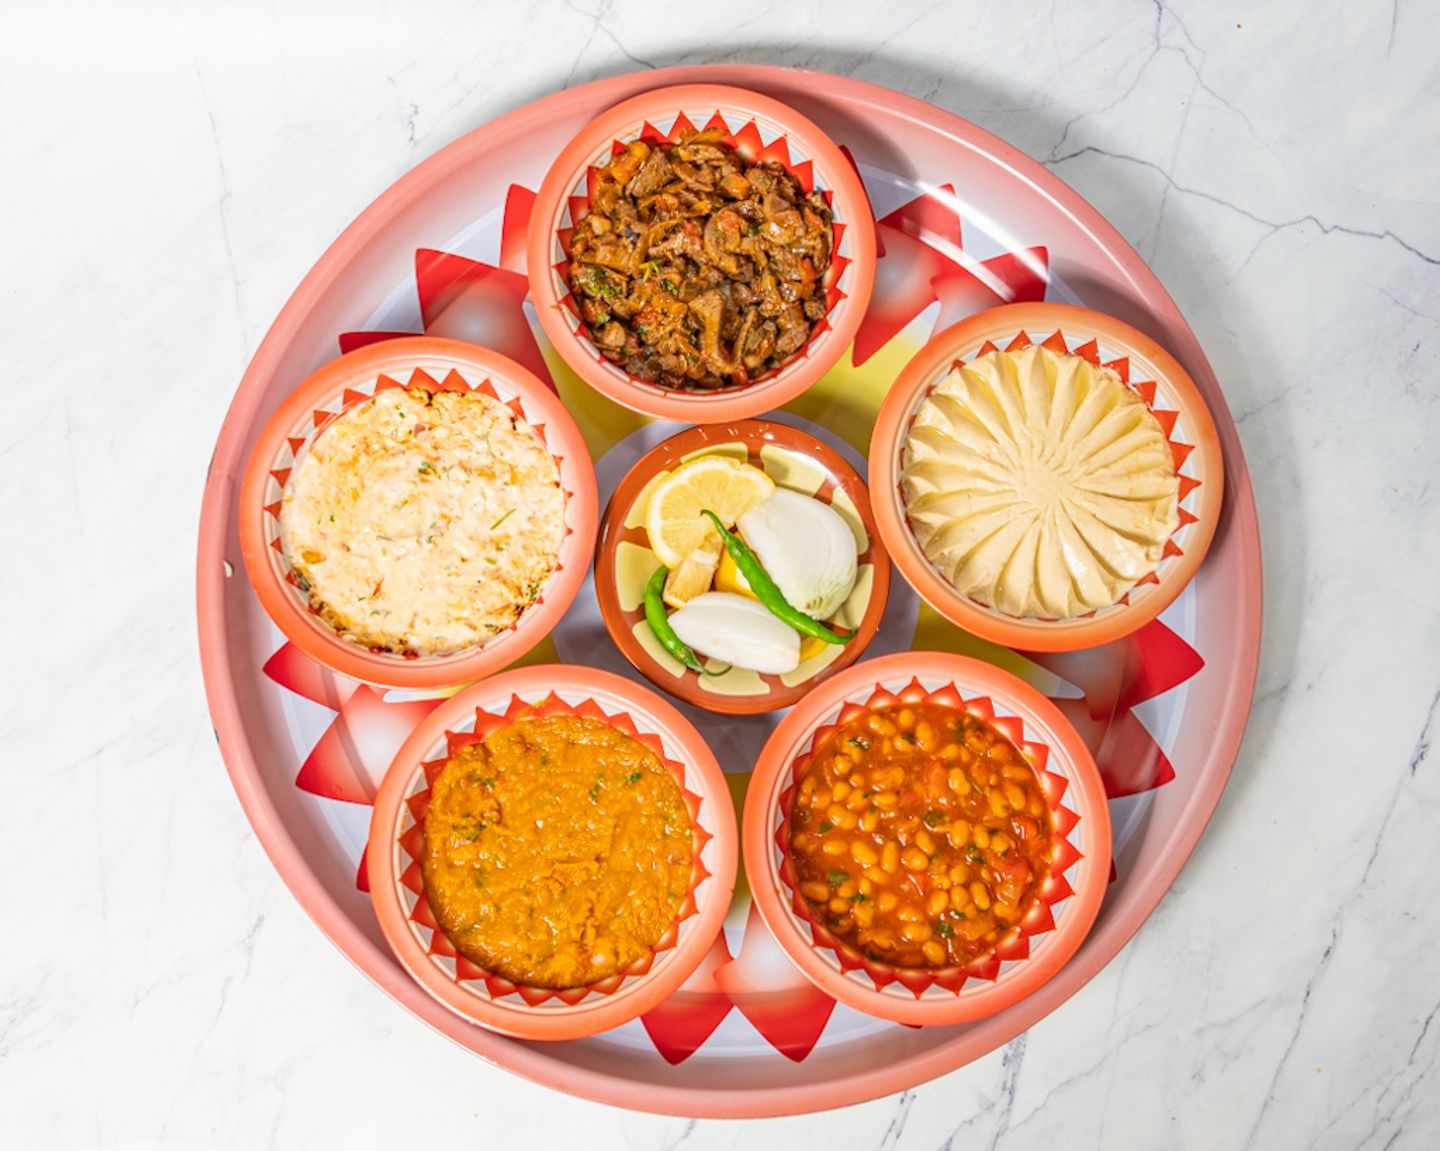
column 557, row 851
column 919, row 835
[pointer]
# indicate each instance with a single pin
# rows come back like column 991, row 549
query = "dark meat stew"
column 694, row 270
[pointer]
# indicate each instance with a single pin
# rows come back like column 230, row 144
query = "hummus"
column 422, row 523
column 1039, row 484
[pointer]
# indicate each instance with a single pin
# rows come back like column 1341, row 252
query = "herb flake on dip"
column 1038, row 484
column 423, row 522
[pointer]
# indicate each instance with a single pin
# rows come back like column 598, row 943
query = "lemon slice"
column 811, row 646
column 673, row 519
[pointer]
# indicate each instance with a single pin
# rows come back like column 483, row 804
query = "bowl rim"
column 398, row 357
column 633, row 483
column 794, row 377
column 1039, row 320
column 704, row 777
column 1089, row 877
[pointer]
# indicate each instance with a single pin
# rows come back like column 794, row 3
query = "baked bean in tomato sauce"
column 919, row 835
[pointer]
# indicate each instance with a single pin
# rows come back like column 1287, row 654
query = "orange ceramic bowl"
column 1150, row 371
column 624, row 562
column 351, row 380
column 1069, row 898
column 396, row 829
column 760, row 128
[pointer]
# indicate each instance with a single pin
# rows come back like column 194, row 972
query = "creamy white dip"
column 1038, row 484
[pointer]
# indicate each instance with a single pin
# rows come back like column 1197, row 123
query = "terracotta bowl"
column 397, row 827
column 624, row 561
column 1069, row 898
column 1149, row 371
column 760, row 128
column 351, row 380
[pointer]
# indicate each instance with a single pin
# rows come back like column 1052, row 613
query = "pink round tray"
column 964, row 222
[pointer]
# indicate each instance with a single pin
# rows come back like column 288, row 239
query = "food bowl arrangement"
column 411, row 899
column 927, row 838
column 443, row 470
column 739, row 457
column 1046, row 476
column 850, row 882
column 701, row 253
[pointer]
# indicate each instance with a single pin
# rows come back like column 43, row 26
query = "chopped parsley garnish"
column 945, row 929
column 859, row 897
column 836, row 878
column 933, row 818
column 427, row 466
column 502, row 519
column 634, row 777
column 824, row 827
column 862, row 744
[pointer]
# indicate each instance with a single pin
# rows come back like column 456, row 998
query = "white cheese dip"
column 1039, row 484
column 423, row 522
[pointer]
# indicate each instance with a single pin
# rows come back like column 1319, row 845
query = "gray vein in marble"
column 598, row 26
column 896, row 1127
column 1273, row 226
column 685, row 1133
column 1337, row 924
column 409, row 110
column 222, row 202
column 1000, row 1107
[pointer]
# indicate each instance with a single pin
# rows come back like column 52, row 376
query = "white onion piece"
column 737, row 630
column 806, row 547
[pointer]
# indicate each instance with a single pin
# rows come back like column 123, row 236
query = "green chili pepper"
column 659, row 620
column 767, row 593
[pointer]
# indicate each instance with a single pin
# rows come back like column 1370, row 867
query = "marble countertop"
column 173, row 170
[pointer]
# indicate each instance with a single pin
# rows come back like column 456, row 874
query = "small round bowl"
column 1069, row 898
column 1151, row 372
column 760, row 128
column 435, row 364
column 397, row 828
column 624, row 562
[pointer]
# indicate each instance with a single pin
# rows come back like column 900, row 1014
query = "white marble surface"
column 170, row 171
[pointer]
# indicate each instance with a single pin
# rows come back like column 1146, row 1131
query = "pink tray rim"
column 532, row 1062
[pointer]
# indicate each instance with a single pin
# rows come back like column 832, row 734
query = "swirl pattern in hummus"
column 424, row 523
column 1038, row 484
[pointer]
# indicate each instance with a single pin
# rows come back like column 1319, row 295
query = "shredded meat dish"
column 693, row 270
